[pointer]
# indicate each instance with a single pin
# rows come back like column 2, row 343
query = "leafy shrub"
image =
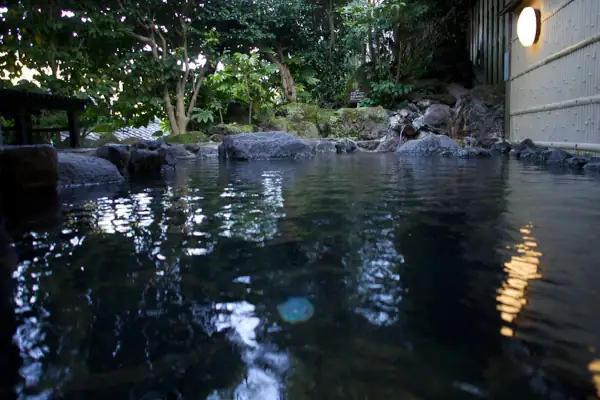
column 386, row 94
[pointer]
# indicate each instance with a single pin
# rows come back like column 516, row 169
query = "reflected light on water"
column 521, row 269
column 594, row 368
column 264, row 364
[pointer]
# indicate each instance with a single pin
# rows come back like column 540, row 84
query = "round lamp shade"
column 528, row 26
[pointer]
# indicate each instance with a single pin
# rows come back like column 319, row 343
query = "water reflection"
column 172, row 291
column 250, row 215
column 594, row 368
column 265, row 365
column 520, row 270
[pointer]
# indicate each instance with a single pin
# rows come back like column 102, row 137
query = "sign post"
column 356, row 97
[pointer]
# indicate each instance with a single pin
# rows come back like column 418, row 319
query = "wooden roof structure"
column 21, row 104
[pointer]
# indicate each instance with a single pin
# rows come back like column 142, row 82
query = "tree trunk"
column 250, row 113
column 182, row 119
column 221, row 116
column 287, row 80
column 170, row 112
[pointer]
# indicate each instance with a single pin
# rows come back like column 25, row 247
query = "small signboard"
column 357, row 96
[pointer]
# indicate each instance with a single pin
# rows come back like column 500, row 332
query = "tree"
column 146, row 51
column 278, row 29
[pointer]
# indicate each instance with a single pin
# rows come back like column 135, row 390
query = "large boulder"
column 389, row 144
column 593, row 164
column 368, row 145
column 75, row 169
column 177, row 152
column 117, row 154
column 437, row 119
column 557, row 156
column 480, row 114
column 469, row 152
column 325, row 146
column 147, row 162
column 364, row 123
column 28, row 169
column 345, row 146
column 265, row 145
column 430, row 144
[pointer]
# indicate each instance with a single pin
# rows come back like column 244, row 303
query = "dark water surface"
column 430, row 279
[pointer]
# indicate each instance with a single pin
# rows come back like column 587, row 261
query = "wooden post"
column 73, row 128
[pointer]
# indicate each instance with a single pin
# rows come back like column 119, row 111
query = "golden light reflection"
column 594, row 368
column 521, row 269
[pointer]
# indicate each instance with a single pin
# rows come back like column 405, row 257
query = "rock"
column 345, row 146
column 364, row 123
column 525, row 149
column 28, row 169
column 430, row 144
column 192, row 147
column 593, row 164
column 556, row 156
column 472, row 152
column 216, row 138
column 480, row 114
column 525, row 144
column 325, row 146
column 147, row 162
column 177, row 152
column 442, row 98
column 74, row 170
column 576, row 162
column 469, row 141
column 208, row 151
column 437, row 119
column 502, row 147
column 117, row 154
column 408, row 131
column 389, row 144
column 368, row 145
column 424, row 104
column 140, row 145
column 265, row 145
column 146, row 145
column 396, row 122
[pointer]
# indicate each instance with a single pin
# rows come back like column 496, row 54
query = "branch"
column 163, row 40
column 197, row 84
column 186, row 74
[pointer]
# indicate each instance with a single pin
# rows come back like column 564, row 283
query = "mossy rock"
column 365, row 123
column 191, row 137
column 109, row 137
column 303, row 129
column 300, row 112
column 229, row 129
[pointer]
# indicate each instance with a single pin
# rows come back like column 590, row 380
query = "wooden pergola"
column 20, row 105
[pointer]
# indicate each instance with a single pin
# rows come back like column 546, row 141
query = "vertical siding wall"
column 555, row 84
column 489, row 35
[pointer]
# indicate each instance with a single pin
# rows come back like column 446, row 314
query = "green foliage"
column 386, row 94
column 244, row 78
column 202, row 116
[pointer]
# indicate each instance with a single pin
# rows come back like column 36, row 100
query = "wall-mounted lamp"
column 528, row 26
